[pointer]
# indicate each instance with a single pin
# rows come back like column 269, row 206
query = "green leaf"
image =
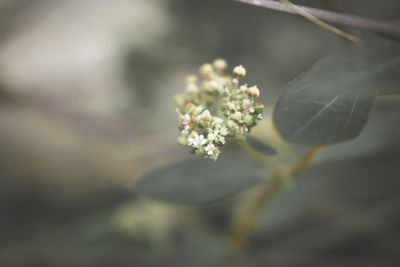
column 260, row 146
column 331, row 102
column 379, row 135
column 201, row 181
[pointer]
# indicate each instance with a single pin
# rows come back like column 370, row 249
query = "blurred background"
column 86, row 107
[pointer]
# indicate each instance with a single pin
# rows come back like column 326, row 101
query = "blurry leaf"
column 331, row 102
column 201, row 181
column 260, row 146
column 346, row 212
column 381, row 134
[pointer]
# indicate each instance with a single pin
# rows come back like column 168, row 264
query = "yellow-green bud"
column 219, row 64
column 237, row 116
column 192, row 89
column 205, row 116
column 206, row 69
column 201, row 152
column 190, row 107
column 240, row 137
column 214, row 86
column 180, row 100
column 224, row 131
column 191, row 79
column 231, row 124
column 231, row 106
column 253, row 91
column 182, row 140
column 248, row 119
column 239, row 71
column 211, row 137
column 218, row 120
column 243, row 88
column 245, row 102
column 259, row 107
column 198, row 109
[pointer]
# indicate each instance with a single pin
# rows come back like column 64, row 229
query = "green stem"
column 245, row 222
column 259, row 156
column 305, row 161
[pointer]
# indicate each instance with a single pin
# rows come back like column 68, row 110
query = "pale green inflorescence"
column 216, row 108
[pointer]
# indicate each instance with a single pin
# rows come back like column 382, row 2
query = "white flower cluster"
column 216, row 108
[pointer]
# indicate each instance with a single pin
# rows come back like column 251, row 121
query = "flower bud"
column 213, row 86
column 190, row 107
column 231, row 124
column 218, row 120
column 235, row 82
column 182, row 140
column 206, row 69
column 191, row 79
column 211, row 137
column 231, row 106
column 198, row 109
column 243, row 88
column 205, row 116
column 239, row 97
column 224, row 131
column 219, row 64
column 259, row 107
column 192, row 89
column 253, row 91
column 248, row 120
column 240, row 137
column 201, row 152
column 239, row 71
column 180, row 100
column 237, row 116
column 245, row 102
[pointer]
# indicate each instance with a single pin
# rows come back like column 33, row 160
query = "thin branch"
column 305, row 161
column 259, row 156
column 246, row 220
column 332, row 17
column 320, row 23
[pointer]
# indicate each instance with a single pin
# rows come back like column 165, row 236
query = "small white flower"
column 260, row 116
column 210, row 149
column 186, row 119
column 201, row 140
column 197, row 141
column 191, row 141
column 185, row 130
column 251, row 110
column 217, row 127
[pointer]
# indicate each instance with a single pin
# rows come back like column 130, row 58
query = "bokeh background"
column 86, row 108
